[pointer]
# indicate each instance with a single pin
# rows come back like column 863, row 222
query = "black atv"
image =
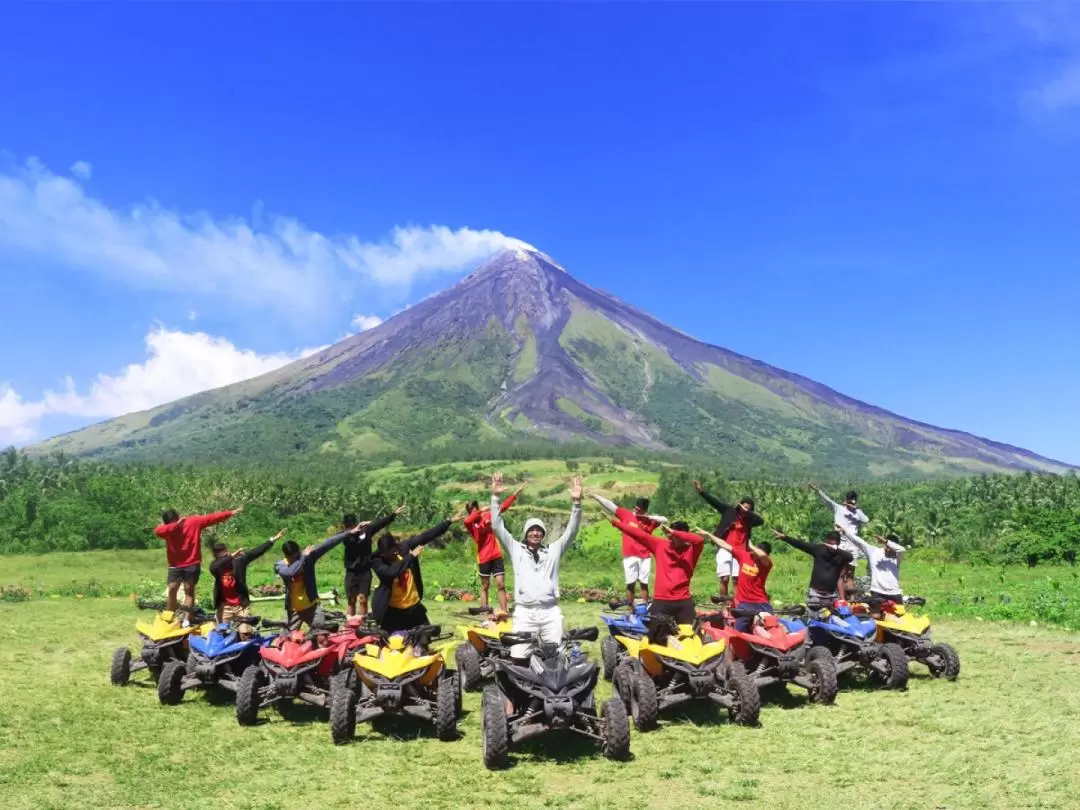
column 552, row 691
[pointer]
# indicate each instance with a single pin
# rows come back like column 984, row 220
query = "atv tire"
column 747, row 705
column 446, row 708
column 623, row 683
column 494, row 729
column 247, row 695
column 616, row 730
column 950, row 662
column 120, row 670
column 896, row 662
column 609, row 654
column 342, row 711
column 468, row 664
column 170, row 689
column 823, row 671
column 820, row 652
column 644, row 705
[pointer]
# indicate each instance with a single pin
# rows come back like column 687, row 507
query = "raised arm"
column 202, row 521
column 861, row 544
column 687, row 537
column 286, row 570
column 824, row 497
column 426, row 537
column 801, row 545
column 249, row 557
column 716, row 541
column 328, row 544
column 712, row 500
column 660, row 520
column 650, row 541
column 377, row 526
column 388, row 570
column 560, row 546
column 605, row 504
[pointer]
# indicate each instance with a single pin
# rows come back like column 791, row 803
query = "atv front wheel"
column 248, row 702
column 342, row 711
column 468, row 664
column 822, row 671
column 170, row 689
column 609, row 654
column 747, row 705
column 895, row 674
column 493, row 728
column 943, row 661
column 120, row 671
column 446, row 708
column 616, row 729
column 644, row 705
column 623, row 683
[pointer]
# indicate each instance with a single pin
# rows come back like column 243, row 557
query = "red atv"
column 775, row 650
column 298, row 665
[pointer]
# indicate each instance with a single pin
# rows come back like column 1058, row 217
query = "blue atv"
column 217, row 659
column 851, row 640
column 631, row 623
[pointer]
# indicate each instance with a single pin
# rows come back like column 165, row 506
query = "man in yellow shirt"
column 297, row 571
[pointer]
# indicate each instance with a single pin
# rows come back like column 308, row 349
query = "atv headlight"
column 686, row 666
column 400, row 680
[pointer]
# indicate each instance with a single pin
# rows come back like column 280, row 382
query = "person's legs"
column 524, row 621
column 550, row 624
column 189, row 579
column 485, row 583
column 500, row 585
column 173, row 587
column 306, row 616
column 644, row 569
column 629, row 565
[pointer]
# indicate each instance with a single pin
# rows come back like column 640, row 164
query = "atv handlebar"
column 334, row 615
column 476, row 610
column 718, row 599
column 914, row 600
column 583, row 634
column 144, row 604
column 274, row 623
column 714, row 618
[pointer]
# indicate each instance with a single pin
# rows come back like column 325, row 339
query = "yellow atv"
column 164, row 639
column 400, row 674
column 674, row 664
column 912, row 632
column 481, row 647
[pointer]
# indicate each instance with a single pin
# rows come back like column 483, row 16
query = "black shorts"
column 357, row 583
column 494, row 567
column 397, row 619
column 681, row 610
column 189, row 574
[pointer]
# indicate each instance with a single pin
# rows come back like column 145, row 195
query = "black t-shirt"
column 829, row 563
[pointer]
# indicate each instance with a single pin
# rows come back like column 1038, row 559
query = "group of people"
column 370, row 549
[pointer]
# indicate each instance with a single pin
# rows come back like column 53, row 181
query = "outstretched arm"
column 861, row 544
column 560, row 546
column 716, row 541
column 650, row 541
column 824, row 497
column 249, row 557
column 215, row 517
column 713, row 501
column 424, row 538
column 605, row 504
column 801, row 545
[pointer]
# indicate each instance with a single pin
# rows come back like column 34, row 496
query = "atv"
column 912, row 633
column 298, row 665
column 164, row 639
column 217, row 659
column 852, row 642
column 475, row 658
column 775, row 651
column 553, row 691
column 397, row 673
column 673, row 664
column 630, row 624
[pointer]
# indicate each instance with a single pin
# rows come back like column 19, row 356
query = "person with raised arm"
column 183, row 551
column 830, row 560
column 231, row 595
column 736, row 526
column 536, row 567
column 849, row 519
column 358, row 560
column 297, row 572
column 754, row 567
column 489, row 558
column 636, row 555
column 884, row 564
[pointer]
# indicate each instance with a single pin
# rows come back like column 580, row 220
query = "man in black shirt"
column 829, row 562
column 358, row 560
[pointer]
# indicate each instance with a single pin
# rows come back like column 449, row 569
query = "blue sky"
column 882, row 197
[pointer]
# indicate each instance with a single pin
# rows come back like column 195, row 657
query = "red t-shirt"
column 674, row 566
column 632, row 547
column 478, row 525
column 228, row 589
column 737, row 533
column 183, row 539
column 752, row 576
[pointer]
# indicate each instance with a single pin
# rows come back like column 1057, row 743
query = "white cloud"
column 361, row 323
column 82, row 169
column 276, row 261
column 177, row 365
column 1060, row 93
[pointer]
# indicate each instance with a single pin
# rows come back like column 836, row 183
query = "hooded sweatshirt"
column 884, row 570
column 536, row 575
column 183, row 539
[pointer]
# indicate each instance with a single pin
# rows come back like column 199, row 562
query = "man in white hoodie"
column 536, row 567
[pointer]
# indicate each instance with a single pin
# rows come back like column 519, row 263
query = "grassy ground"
column 1004, row 735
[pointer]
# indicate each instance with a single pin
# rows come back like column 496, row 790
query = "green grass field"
column 1004, row 735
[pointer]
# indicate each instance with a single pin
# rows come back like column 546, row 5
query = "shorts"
column 681, row 610
column 397, row 619
column 726, row 565
column 357, row 583
column 492, row 568
column 189, row 575
column 637, row 569
column 545, row 621
column 232, row 612
column 311, row 616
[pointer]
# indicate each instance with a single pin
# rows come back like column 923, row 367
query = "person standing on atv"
column 231, row 596
column 297, row 571
column 536, row 567
column 755, row 564
column 489, row 558
column 183, row 550
column 849, row 518
column 884, row 565
column 735, row 528
column 830, row 560
column 358, row 560
column 676, row 558
column 396, row 604
column 637, row 557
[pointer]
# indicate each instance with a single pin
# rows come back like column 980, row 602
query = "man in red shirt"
column 635, row 553
column 676, row 558
column 489, row 558
column 754, row 567
column 183, row 550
